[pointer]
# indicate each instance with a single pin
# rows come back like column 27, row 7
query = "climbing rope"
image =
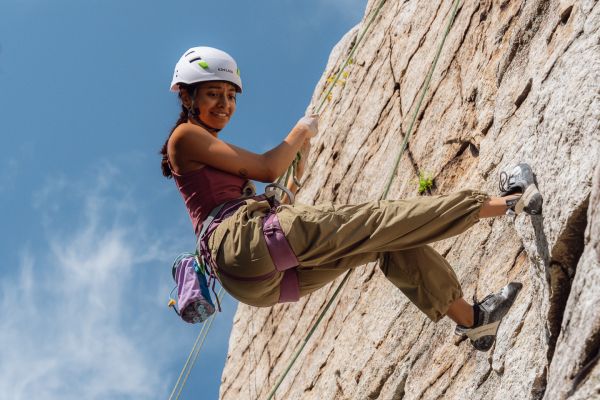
column 193, row 356
column 421, row 97
column 383, row 196
column 307, row 338
column 291, row 171
column 253, row 362
column 325, row 94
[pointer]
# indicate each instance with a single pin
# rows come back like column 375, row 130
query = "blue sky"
column 89, row 226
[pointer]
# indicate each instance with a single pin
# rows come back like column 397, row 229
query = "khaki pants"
column 330, row 239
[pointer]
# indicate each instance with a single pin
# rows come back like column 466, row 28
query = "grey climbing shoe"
column 491, row 310
column 521, row 180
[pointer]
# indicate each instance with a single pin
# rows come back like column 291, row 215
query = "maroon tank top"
column 204, row 189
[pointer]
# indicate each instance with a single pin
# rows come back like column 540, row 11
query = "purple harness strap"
column 282, row 255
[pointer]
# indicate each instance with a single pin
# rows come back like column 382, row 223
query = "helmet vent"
column 188, row 53
column 195, row 59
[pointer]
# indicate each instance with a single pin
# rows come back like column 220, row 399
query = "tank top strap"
column 170, row 165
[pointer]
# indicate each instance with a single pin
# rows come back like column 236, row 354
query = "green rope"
column 383, row 196
column 193, row 356
column 294, row 165
column 350, row 55
column 185, row 366
column 310, row 333
column 421, row 97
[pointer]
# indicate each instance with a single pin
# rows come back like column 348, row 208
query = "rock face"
column 516, row 81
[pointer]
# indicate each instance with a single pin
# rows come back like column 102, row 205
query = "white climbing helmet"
column 205, row 64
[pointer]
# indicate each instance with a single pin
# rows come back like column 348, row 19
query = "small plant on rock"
column 425, row 182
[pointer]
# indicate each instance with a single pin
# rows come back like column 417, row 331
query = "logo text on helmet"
column 225, row 70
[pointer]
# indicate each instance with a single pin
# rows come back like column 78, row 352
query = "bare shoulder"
column 189, row 139
column 187, row 147
column 186, row 133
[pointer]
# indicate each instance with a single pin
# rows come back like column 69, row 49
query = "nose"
column 224, row 100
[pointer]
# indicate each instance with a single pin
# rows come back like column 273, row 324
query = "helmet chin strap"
column 194, row 115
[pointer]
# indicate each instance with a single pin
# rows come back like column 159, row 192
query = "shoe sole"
column 530, row 202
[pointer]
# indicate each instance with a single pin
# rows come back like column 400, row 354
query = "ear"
column 186, row 99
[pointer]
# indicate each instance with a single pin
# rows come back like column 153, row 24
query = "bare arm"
column 191, row 145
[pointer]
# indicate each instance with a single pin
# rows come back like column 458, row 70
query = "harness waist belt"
column 282, row 255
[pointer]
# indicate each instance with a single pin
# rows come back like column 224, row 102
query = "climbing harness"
column 383, row 196
column 190, row 269
column 281, row 253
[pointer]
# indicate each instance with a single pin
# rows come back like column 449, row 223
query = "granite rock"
column 516, row 81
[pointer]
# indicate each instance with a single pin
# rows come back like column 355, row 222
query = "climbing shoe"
column 521, row 180
column 488, row 314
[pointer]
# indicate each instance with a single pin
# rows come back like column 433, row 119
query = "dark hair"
column 183, row 117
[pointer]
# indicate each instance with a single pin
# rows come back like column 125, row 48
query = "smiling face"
column 216, row 102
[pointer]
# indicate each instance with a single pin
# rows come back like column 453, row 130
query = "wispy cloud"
column 79, row 316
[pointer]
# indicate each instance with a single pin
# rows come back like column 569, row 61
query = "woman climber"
column 264, row 252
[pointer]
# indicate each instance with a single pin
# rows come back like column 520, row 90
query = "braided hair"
column 164, row 164
column 184, row 116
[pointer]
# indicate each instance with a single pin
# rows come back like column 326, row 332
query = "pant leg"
column 329, row 240
column 325, row 233
column 314, row 278
column 422, row 274
column 425, row 277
